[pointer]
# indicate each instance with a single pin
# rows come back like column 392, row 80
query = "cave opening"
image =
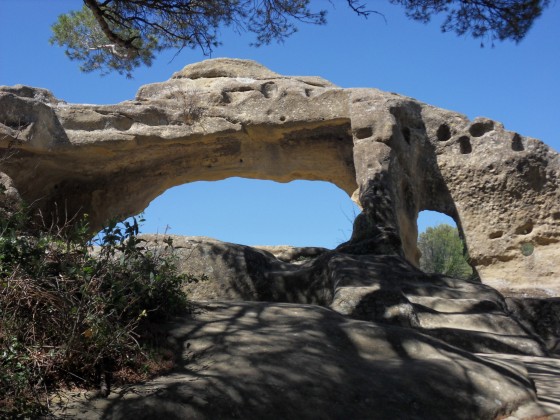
column 429, row 218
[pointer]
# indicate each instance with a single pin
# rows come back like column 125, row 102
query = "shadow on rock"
column 265, row 360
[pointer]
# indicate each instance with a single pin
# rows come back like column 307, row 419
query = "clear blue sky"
column 516, row 84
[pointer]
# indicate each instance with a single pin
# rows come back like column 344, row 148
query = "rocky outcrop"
column 540, row 316
column 324, row 334
column 385, row 289
column 305, row 332
column 220, row 118
column 283, row 361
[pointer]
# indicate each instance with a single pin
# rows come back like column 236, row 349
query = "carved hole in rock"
column 255, row 212
column 443, row 132
column 226, row 98
column 465, row 145
column 429, row 218
column 363, row 133
column 525, row 228
column 441, row 245
column 496, row 234
column 269, row 89
column 533, row 174
column 517, row 143
column 241, row 89
column 406, row 134
column 480, row 128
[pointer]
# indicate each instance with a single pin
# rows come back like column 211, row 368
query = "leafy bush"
column 71, row 309
column 443, row 252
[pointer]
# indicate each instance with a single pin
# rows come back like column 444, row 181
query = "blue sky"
column 516, row 84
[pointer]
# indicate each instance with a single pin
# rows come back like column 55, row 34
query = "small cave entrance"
column 441, row 246
column 255, row 212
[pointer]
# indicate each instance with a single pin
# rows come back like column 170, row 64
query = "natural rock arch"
column 255, row 213
column 395, row 156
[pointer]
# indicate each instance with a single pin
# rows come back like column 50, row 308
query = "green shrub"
column 71, row 309
column 443, row 252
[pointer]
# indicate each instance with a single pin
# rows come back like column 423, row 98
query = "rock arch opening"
column 255, row 212
column 429, row 218
column 441, row 246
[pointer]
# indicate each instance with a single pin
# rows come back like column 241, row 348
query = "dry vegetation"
column 74, row 316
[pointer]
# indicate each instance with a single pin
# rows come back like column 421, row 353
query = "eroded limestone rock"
column 385, row 289
column 220, row 118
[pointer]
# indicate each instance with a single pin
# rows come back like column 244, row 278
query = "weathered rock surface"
column 386, row 289
column 280, row 361
column 545, row 372
column 310, row 333
column 220, row 118
column 540, row 316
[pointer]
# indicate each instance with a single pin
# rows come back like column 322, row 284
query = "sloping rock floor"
column 268, row 360
column 545, row 372
column 343, row 336
column 378, row 288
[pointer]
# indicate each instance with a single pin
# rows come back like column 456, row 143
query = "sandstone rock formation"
column 220, row 118
column 362, row 313
column 385, row 289
column 279, row 361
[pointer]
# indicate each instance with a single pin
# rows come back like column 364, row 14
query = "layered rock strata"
column 384, row 289
column 281, row 361
column 308, row 333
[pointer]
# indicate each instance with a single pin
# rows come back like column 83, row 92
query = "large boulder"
column 224, row 117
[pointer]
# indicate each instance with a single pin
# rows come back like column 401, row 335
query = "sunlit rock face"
column 220, row 118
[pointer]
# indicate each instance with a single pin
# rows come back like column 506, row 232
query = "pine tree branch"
column 99, row 15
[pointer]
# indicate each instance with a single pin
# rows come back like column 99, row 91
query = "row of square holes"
column 477, row 129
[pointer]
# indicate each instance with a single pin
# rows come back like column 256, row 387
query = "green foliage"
column 443, row 252
column 527, row 249
column 69, row 309
column 84, row 40
column 486, row 19
column 121, row 35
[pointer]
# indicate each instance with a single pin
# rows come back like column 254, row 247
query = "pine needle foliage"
column 122, row 35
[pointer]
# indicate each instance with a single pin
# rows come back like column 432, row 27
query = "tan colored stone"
column 224, row 117
column 380, row 288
